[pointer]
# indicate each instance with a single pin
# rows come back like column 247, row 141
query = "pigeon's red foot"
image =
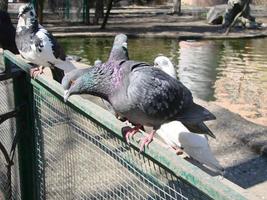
column 146, row 140
column 131, row 132
column 34, row 72
column 178, row 150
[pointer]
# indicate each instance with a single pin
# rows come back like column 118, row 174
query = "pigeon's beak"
column 124, row 45
column 19, row 15
column 66, row 95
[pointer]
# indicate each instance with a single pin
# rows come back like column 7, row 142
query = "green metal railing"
column 76, row 150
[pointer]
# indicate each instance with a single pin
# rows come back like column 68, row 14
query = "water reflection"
column 198, row 62
column 241, row 84
column 233, row 73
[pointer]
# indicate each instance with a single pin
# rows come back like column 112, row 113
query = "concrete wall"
column 204, row 2
column 216, row 2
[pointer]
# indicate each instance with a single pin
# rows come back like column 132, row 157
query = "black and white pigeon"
column 143, row 94
column 38, row 46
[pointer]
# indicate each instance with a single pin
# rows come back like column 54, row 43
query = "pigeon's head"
column 164, row 63
column 27, row 11
column 85, row 82
column 71, row 77
column 98, row 62
column 120, row 39
column 119, row 49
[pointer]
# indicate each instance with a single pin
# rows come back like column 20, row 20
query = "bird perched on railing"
column 177, row 136
column 120, row 42
column 38, row 46
column 142, row 94
column 7, row 33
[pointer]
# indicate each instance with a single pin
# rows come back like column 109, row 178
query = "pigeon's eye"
column 31, row 13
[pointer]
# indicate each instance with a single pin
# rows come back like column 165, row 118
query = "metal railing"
column 76, row 150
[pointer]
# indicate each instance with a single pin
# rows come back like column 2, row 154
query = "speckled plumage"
column 38, row 46
column 166, row 65
column 141, row 93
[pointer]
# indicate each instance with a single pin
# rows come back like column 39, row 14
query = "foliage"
column 3, row 5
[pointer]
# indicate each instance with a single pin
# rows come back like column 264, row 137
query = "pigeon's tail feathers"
column 208, row 159
column 196, row 113
column 199, row 127
column 57, row 74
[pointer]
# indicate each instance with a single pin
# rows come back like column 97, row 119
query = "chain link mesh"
column 7, row 132
column 80, row 159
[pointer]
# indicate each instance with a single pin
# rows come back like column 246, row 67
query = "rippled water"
column 233, row 73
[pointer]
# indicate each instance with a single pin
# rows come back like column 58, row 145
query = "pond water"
column 232, row 73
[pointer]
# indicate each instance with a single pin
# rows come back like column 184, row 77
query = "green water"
column 233, row 73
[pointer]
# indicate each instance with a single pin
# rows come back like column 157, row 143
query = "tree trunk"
column 99, row 10
column 176, row 7
column 110, row 2
column 3, row 5
column 86, row 12
column 40, row 5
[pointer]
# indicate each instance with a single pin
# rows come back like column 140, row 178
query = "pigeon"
column 119, row 51
column 70, row 77
column 7, row 33
column 38, row 46
column 164, row 63
column 142, row 94
column 177, row 136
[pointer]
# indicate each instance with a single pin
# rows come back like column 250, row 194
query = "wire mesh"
column 7, row 132
column 80, row 159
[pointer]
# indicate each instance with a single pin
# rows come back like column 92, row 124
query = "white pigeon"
column 38, row 46
column 176, row 135
column 166, row 65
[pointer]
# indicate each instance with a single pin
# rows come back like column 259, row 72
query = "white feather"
column 46, row 54
column 166, row 65
column 42, row 55
column 176, row 134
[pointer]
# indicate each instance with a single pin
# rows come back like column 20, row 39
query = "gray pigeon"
column 118, row 52
column 143, row 94
column 38, row 46
column 71, row 76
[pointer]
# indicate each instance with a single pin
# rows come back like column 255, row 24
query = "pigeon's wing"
column 42, row 35
column 156, row 93
column 57, row 49
column 38, row 43
column 197, row 147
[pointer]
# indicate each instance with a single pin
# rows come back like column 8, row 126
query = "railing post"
column 25, row 130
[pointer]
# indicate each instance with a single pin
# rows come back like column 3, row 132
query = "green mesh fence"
column 7, row 132
column 80, row 153
column 79, row 159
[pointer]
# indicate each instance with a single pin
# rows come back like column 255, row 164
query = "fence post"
column 25, row 130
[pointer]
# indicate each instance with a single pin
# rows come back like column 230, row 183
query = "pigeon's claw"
column 131, row 132
column 146, row 140
column 178, row 150
column 36, row 71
